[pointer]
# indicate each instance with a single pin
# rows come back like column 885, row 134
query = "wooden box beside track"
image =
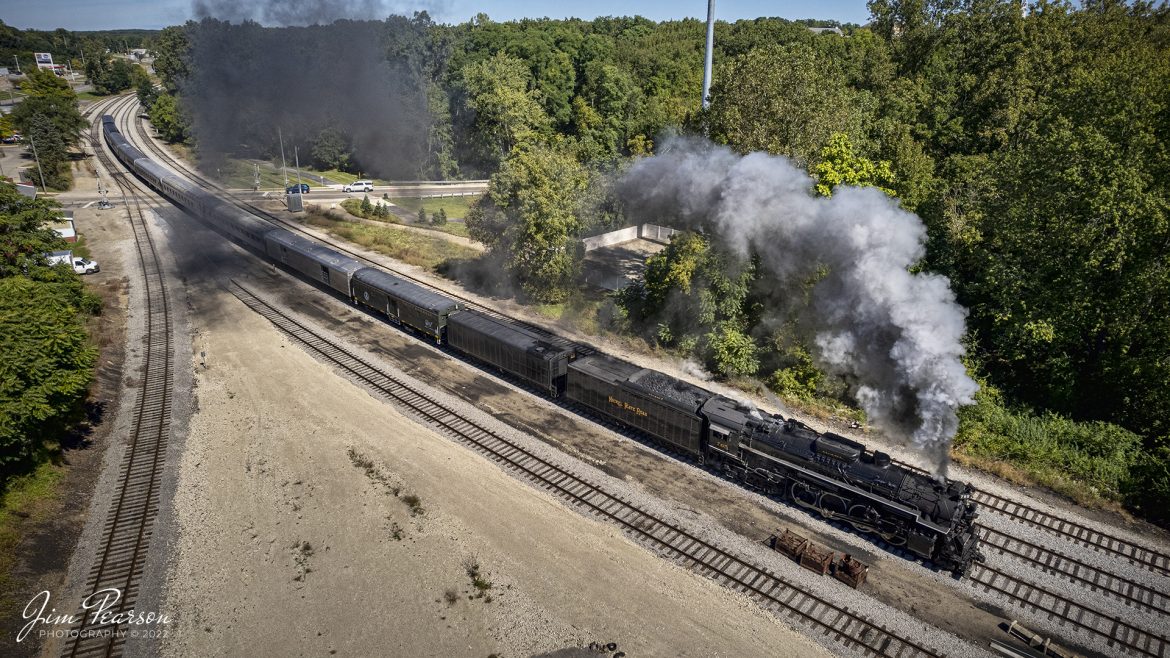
column 404, row 302
column 661, row 406
column 511, row 348
column 316, row 262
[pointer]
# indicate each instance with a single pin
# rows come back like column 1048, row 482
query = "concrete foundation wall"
column 611, row 238
column 651, row 232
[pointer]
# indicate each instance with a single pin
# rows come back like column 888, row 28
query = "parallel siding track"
column 1145, row 558
column 1118, row 634
column 128, row 527
column 807, row 609
column 1081, row 573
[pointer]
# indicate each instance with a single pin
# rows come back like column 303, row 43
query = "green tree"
column 171, row 53
column 693, row 290
column 332, row 150
column 530, row 218
column 440, row 217
column 839, row 165
column 422, row 216
column 49, row 116
column 366, row 206
column 168, row 118
column 732, row 353
column 50, row 150
column 786, row 100
column 46, row 361
column 147, row 94
column 507, row 112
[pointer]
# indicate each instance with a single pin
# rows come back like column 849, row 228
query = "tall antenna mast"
column 710, row 48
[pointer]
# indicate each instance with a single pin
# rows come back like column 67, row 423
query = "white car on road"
column 360, row 186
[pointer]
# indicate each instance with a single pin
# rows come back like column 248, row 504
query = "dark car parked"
column 302, row 188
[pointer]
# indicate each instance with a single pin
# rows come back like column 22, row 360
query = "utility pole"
column 256, row 179
column 17, row 60
column 283, row 164
column 710, row 47
column 38, row 159
column 297, row 160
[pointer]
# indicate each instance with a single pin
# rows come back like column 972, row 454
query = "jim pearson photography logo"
column 102, row 618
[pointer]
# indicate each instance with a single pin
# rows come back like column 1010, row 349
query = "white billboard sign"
column 44, row 60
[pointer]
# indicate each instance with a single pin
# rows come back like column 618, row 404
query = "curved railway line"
column 808, row 609
column 244, row 204
column 128, row 527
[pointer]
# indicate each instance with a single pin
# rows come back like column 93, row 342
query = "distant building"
column 822, row 30
column 64, row 226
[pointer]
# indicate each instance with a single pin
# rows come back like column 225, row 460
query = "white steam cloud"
column 894, row 335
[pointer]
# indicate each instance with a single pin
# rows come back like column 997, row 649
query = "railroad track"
column 1117, row 634
column 126, row 536
column 1078, row 533
column 842, row 626
column 1130, row 592
column 244, row 204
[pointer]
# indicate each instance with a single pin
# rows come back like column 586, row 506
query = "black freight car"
column 662, row 406
column 404, row 302
column 510, row 348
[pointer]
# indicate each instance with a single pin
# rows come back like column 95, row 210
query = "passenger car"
column 360, row 186
column 301, row 188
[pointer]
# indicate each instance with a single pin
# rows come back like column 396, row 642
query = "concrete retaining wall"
column 651, row 232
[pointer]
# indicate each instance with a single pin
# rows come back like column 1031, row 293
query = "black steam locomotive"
column 827, row 473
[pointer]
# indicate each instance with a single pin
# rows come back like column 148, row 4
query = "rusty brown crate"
column 790, row 544
column 816, row 558
column 850, row 571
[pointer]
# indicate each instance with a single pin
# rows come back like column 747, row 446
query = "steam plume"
column 894, row 335
column 355, row 78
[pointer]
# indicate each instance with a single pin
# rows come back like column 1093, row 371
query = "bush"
column 1147, row 490
column 1084, row 460
column 46, row 364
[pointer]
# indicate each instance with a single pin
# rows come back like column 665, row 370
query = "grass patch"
column 80, row 248
column 478, row 581
column 1088, row 462
column 456, row 206
column 453, row 228
column 414, row 503
column 403, row 245
column 372, row 471
column 379, row 210
column 27, row 499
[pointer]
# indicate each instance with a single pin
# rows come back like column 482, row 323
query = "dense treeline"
column 74, row 49
column 1031, row 140
column 46, row 358
column 51, row 123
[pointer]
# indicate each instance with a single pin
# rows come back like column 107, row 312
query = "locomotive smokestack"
column 710, row 53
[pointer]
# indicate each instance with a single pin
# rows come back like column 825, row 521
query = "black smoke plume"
column 896, row 336
column 249, row 84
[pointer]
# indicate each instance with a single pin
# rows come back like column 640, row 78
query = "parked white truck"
column 80, row 265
